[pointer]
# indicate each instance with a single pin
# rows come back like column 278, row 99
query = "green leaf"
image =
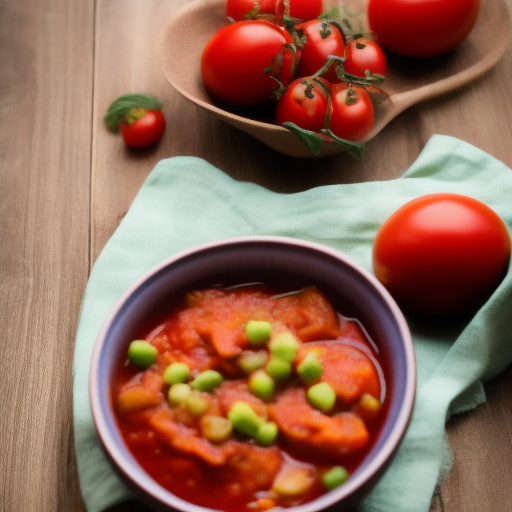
column 354, row 149
column 122, row 106
column 310, row 139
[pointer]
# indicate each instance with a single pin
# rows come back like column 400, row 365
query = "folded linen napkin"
column 186, row 202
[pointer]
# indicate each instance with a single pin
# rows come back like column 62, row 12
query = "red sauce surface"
column 207, row 331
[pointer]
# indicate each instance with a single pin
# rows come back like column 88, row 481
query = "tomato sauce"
column 206, row 331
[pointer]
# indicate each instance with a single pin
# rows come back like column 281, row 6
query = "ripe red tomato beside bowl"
column 422, row 28
column 281, row 263
column 442, row 254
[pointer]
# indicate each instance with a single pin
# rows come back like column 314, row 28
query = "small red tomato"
column 239, row 61
column 143, row 128
column 301, row 9
column 139, row 117
column 442, row 254
column 364, row 54
column 352, row 112
column 239, row 9
column 323, row 39
column 422, row 28
column 303, row 103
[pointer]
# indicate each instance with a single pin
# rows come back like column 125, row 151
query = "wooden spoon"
column 409, row 81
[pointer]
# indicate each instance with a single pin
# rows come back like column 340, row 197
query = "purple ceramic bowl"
column 353, row 291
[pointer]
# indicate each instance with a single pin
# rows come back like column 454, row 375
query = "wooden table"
column 65, row 183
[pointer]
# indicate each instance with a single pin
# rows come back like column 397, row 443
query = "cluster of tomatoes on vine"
column 318, row 69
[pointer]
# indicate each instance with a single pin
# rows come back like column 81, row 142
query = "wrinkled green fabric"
column 186, row 202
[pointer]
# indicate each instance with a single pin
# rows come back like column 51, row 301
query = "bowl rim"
column 124, row 461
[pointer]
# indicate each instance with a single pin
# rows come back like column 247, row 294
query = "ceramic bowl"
column 268, row 259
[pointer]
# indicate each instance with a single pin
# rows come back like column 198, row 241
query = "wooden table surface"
column 65, row 183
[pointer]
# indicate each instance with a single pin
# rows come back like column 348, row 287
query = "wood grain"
column 65, row 183
column 45, row 146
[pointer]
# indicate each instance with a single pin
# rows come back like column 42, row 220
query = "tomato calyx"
column 134, row 115
column 129, row 108
column 254, row 13
column 351, row 98
column 325, row 31
column 342, row 19
column 308, row 91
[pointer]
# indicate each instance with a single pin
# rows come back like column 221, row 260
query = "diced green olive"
column 176, row 372
column 284, row 346
column 216, row 429
column 321, row 396
column 178, row 393
column 267, row 434
column 293, row 482
column 310, row 368
column 207, row 381
column 244, row 419
column 142, row 353
column 261, row 385
column 258, row 332
column 249, row 361
column 278, row 368
column 197, row 404
column 335, row 477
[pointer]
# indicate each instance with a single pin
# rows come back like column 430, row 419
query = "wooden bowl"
column 409, row 81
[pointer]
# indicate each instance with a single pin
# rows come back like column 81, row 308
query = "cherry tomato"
column 364, row 54
column 303, row 103
column 238, row 61
column 239, row 9
column 323, row 38
column 441, row 254
column 352, row 112
column 145, row 130
column 301, row 9
column 422, row 28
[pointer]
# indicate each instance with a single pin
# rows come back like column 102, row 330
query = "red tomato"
column 441, row 254
column 303, row 103
column 238, row 60
column 322, row 40
column 145, row 131
column 364, row 54
column 301, row 9
column 352, row 112
column 238, row 9
column 422, row 28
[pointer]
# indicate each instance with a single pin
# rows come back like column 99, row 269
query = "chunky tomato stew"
column 244, row 399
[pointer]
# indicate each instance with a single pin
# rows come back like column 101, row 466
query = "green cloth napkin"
column 185, row 202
